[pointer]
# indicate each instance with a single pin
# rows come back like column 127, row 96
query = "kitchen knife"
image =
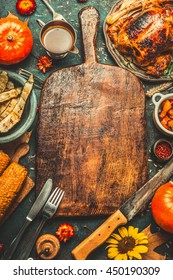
column 35, row 209
column 127, row 211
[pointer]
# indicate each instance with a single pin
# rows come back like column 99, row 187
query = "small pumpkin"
column 16, row 40
column 162, row 207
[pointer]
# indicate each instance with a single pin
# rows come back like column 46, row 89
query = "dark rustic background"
column 70, row 9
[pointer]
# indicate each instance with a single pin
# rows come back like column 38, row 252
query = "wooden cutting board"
column 92, row 132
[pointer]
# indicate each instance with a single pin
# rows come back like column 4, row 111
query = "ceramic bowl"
column 157, row 99
column 28, row 115
column 162, row 158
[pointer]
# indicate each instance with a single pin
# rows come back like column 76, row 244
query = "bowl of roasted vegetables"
column 138, row 34
column 18, row 105
column 163, row 113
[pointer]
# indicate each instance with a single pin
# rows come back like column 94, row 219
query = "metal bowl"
column 28, row 115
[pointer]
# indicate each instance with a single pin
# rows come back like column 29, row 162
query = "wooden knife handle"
column 99, row 236
column 89, row 19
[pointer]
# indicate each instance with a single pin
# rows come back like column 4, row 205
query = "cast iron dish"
column 28, row 115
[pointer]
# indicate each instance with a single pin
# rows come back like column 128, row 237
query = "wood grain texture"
column 92, row 132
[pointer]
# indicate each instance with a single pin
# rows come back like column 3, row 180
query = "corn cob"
column 10, row 184
column 4, row 161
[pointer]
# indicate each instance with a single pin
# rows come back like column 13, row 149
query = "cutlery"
column 48, row 211
column 38, row 204
column 127, row 211
column 55, row 15
column 38, row 83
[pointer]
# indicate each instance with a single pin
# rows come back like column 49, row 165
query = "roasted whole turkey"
column 143, row 31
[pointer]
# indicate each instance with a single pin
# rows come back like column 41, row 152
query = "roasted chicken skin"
column 146, row 37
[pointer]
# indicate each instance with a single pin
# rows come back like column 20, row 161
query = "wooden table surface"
column 83, row 225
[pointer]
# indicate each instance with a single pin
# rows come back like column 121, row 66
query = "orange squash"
column 162, row 207
column 16, row 40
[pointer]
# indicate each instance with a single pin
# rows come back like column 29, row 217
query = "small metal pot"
column 63, row 24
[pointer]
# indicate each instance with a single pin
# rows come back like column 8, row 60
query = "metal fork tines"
column 38, row 83
column 48, row 211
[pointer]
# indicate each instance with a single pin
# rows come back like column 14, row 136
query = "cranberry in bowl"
column 162, row 150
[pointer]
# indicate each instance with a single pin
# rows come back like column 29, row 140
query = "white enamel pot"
column 157, row 99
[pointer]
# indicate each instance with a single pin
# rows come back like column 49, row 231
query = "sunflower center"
column 126, row 244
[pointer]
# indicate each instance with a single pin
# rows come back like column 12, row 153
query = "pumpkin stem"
column 10, row 38
column 10, row 15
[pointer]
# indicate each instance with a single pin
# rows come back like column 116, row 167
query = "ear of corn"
column 11, row 183
column 4, row 161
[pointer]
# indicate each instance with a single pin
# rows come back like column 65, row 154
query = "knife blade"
column 35, row 209
column 126, row 212
column 40, row 201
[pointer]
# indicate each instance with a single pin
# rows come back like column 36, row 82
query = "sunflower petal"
column 141, row 235
column 119, row 257
column 123, row 231
column 135, row 232
column 113, row 250
column 134, row 254
column 112, row 253
column 130, row 230
column 111, row 246
column 144, row 241
column 125, row 257
column 116, row 236
column 112, row 241
column 140, row 249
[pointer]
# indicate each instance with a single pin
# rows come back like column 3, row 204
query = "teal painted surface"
column 70, row 9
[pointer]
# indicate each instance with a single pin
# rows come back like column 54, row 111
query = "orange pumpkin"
column 16, row 40
column 162, row 207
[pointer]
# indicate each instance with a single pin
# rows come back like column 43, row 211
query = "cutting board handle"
column 21, row 151
column 89, row 19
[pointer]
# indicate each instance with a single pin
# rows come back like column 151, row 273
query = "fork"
column 55, row 14
column 38, row 83
column 48, row 211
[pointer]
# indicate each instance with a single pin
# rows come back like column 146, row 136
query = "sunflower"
column 128, row 244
